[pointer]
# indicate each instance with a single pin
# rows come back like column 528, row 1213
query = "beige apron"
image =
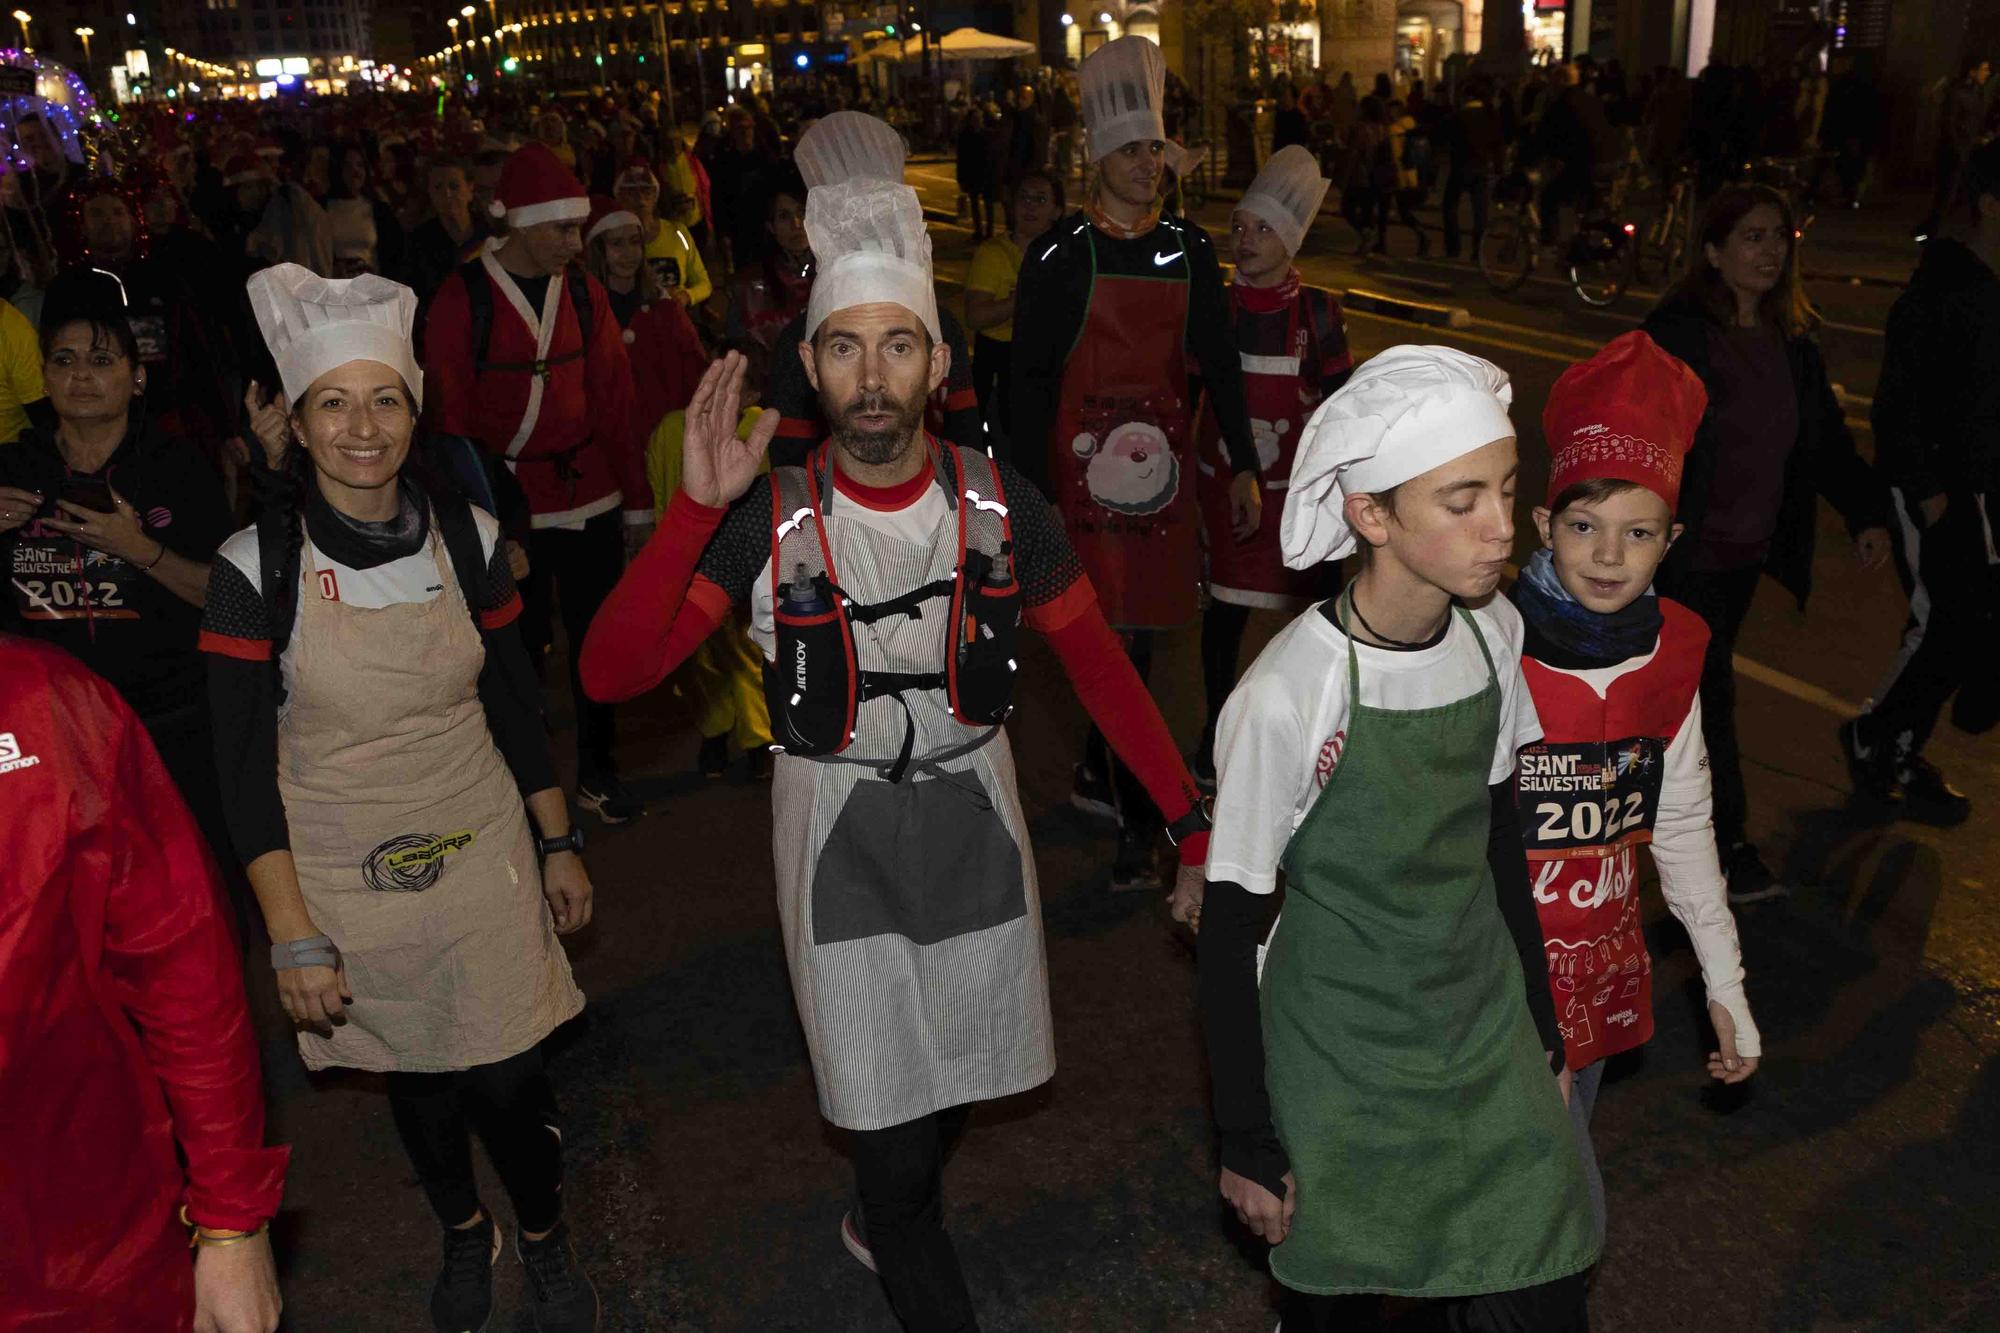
column 410, row 838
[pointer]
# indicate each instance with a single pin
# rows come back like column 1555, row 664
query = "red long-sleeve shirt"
column 123, row 1028
column 663, row 608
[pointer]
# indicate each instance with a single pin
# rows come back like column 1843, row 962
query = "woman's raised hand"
column 716, row 467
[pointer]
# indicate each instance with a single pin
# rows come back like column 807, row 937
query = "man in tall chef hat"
column 1115, row 309
column 888, row 577
column 855, row 146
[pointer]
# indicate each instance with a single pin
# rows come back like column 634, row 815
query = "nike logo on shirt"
column 1167, row 258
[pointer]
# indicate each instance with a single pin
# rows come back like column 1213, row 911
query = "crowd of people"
column 325, row 423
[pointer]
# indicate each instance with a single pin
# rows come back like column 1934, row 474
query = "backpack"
column 815, row 686
column 479, row 300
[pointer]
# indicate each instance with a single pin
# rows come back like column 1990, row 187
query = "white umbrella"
column 972, row 44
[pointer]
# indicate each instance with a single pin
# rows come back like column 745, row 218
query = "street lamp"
column 90, row 66
column 22, row 17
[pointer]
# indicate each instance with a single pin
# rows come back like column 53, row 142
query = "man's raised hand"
column 716, row 467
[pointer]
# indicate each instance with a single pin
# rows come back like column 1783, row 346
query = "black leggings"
column 1552, row 1307
column 1135, row 807
column 576, row 571
column 1722, row 598
column 1222, row 626
column 899, row 1177
column 514, row 1109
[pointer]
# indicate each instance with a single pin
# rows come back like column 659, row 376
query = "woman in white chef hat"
column 1413, row 1138
column 381, row 750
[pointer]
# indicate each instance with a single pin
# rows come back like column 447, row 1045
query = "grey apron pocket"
column 917, row 859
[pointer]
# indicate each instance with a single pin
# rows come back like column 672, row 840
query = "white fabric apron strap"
column 543, row 328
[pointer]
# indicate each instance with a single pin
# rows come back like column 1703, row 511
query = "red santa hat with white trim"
column 535, row 187
column 607, row 214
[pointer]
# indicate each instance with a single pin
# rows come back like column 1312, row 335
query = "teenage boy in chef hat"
column 1413, row 1138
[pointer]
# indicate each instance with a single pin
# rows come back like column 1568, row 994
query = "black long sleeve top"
column 1053, row 297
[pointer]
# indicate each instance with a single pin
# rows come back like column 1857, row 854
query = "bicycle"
column 1600, row 260
column 1668, row 237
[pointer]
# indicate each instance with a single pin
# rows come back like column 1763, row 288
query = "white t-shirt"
column 914, row 523
column 1282, row 731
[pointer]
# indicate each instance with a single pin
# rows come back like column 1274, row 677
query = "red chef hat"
column 607, row 214
column 535, row 187
column 1629, row 414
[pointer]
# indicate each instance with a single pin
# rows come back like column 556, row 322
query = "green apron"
column 1431, row 1147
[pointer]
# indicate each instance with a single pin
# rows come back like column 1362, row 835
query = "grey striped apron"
column 911, row 920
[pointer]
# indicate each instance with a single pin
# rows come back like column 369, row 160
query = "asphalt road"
column 1853, row 1187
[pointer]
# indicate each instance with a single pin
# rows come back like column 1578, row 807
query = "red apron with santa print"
column 1281, row 396
column 1121, row 457
column 1587, row 794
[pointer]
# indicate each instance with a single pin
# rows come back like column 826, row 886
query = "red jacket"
column 571, row 435
column 123, row 1028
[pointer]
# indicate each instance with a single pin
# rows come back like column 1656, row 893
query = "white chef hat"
column 314, row 324
column 869, row 240
column 1123, row 84
column 847, row 146
column 1287, row 194
column 1402, row 413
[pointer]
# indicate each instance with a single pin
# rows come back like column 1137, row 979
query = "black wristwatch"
column 571, row 841
column 1196, row 820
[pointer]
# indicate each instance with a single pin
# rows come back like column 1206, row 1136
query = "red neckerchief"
column 1118, row 230
column 1266, row 300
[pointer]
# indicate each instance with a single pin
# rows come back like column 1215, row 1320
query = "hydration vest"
column 815, row 685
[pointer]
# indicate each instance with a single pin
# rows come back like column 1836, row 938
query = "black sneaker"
column 1867, row 763
column 714, row 759
column 1750, row 880
column 562, row 1297
column 607, row 798
column 1090, row 792
column 462, row 1296
column 1136, row 865
column 1928, row 798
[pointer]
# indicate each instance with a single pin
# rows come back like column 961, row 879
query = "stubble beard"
column 878, row 447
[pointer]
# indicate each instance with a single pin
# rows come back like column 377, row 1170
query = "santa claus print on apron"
column 1122, row 457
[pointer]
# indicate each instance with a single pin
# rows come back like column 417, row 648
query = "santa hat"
column 849, row 145
column 869, row 240
column 1123, row 84
column 535, row 187
column 1287, row 194
column 1627, row 414
column 244, row 168
column 607, row 214
column 314, row 324
column 636, row 171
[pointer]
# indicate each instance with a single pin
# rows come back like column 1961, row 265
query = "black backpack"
column 479, row 300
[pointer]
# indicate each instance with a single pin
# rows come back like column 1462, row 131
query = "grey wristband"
column 313, row 951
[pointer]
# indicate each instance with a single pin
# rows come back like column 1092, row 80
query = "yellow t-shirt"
column 20, row 371
column 663, row 454
column 672, row 254
column 996, row 267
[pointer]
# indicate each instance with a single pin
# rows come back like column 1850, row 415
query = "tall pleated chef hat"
column 1123, row 84
column 849, row 146
column 1287, row 194
column 314, row 324
column 1403, row 412
column 535, row 187
column 869, row 239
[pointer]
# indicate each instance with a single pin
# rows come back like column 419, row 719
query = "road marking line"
column 1450, row 334
column 1803, row 691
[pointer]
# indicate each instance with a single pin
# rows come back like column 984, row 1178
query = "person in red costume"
column 1615, row 671
column 125, row 1046
column 525, row 356
column 887, row 580
column 661, row 344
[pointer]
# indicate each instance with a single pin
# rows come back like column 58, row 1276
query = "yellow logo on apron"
column 411, row 862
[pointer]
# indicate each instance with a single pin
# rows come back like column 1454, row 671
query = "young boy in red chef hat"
column 1615, row 672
